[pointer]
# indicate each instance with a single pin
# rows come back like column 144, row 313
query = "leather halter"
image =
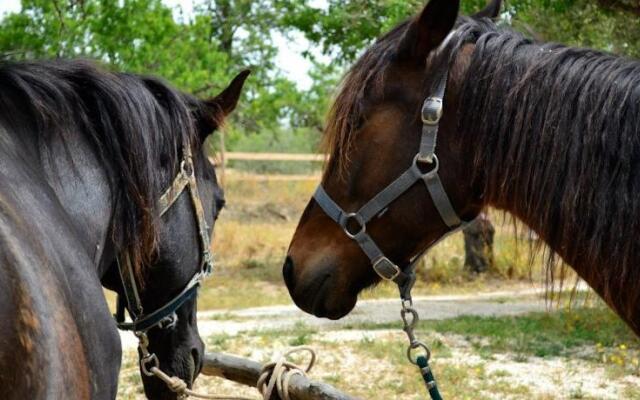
column 165, row 316
column 426, row 157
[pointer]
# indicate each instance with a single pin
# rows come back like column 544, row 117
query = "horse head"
column 363, row 224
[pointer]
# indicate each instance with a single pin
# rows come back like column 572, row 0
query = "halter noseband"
column 165, row 316
column 382, row 265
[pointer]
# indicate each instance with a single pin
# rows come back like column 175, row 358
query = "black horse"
column 85, row 155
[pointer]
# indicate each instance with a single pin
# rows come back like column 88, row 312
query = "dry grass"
column 251, row 240
column 253, row 234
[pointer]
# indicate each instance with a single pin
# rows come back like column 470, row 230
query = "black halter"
column 426, row 157
column 165, row 316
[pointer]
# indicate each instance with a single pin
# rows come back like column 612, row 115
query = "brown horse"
column 548, row 133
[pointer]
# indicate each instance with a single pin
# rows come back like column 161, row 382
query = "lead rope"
column 273, row 376
column 410, row 319
column 150, row 366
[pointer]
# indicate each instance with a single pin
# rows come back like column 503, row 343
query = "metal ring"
column 407, row 303
column 142, row 338
column 434, row 160
column 147, row 360
column 358, row 219
column 187, row 168
column 418, row 345
column 414, row 317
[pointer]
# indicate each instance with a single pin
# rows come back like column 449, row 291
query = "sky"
column 290, row 59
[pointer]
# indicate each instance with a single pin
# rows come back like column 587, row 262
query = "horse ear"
column 429, row 30
column 492, row 10
column 219, row 107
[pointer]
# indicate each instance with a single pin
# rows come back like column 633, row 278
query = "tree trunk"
column 478, row 245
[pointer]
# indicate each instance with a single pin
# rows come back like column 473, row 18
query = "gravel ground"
column 342, row 349
column 502, row 303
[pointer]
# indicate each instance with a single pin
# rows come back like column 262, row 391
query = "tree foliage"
column 198, row 54
column 201, row 53
column 610, row 25
column 345, row 27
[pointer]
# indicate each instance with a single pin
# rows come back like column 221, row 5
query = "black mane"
column 134, row 123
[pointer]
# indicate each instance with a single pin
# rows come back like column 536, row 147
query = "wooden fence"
column 220, row 160
column 273, row 157
column 247, row 372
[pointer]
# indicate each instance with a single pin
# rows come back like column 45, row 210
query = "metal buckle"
column 345, row 220
column 386, row 269
column 152, row 360
column 432, row 111
column 434, row 160
column 186, row 167
column 168, row 322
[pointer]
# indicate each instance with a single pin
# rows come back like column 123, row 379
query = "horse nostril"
column 287, row 272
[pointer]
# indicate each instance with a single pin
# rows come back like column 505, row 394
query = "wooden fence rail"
column 222, row 158
column 242, row 156
column 247, row 372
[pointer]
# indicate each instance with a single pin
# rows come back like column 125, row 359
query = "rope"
column 274, row 375
column 180, row 387
column 277, row 375
column 429, row 380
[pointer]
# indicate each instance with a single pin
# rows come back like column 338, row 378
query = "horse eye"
column 220, row 203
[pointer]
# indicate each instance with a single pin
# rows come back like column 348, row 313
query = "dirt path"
column 501, row 303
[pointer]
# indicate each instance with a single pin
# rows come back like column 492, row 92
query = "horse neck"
column 81, row 183
column 557, row 146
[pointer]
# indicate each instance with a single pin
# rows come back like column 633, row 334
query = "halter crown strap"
column 432, row 109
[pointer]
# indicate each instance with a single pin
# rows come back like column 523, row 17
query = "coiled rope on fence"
column 275, row 376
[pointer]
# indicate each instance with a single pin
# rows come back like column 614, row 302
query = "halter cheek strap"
column 426, row 157
column 186, row 179
column 165, row 316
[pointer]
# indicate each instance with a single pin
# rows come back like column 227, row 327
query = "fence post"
column 478, row 245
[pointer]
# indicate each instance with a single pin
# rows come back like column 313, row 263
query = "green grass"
column 542, row 334
column 590, row 333
column 456, row 381
column 593, row 334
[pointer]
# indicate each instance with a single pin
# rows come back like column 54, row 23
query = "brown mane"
column 343, row 117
